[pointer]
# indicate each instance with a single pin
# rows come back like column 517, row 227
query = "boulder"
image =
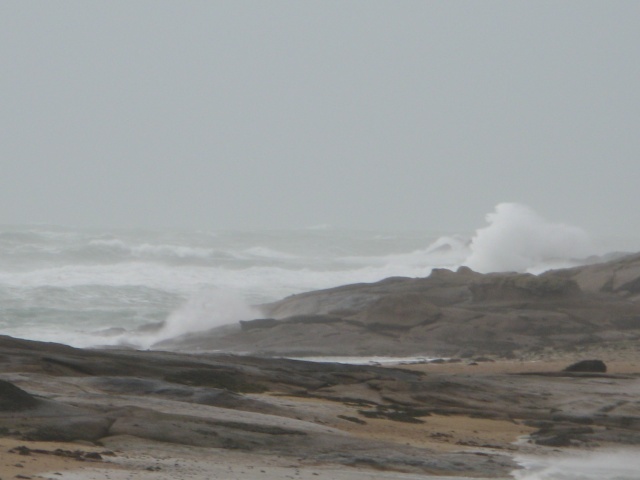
column 14, row 399
column 591, row 366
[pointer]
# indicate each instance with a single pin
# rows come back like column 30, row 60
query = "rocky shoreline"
column 451, row 314
column 505, row 391
column 356, row 419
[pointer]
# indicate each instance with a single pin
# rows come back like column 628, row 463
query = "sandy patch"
column 444, row 432
column 627, row 363
column 15, row 465
column 441, row 433
column 147, row 460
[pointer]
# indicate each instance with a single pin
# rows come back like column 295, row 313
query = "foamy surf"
column 594, row 465
column 132, row 287
column 374, row 360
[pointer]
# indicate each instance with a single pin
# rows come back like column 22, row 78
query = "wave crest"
column 518, row 239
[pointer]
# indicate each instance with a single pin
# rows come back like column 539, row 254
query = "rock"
column 554, row 440
column 66, row 429
column 592, row 366
column 14, row 399
column 561, row 436
column 497, row 314
column 112, row 396
column 217, row 397
column 399, row 311
column 619, row 275
column 512, row 287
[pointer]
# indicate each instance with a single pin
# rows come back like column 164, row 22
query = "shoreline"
column 345, row 422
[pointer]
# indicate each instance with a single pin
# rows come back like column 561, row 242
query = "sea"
column 94, row 287
column 595, row 465
column 133, row 287
column 90, row 287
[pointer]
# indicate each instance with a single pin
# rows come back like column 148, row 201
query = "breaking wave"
column 207, row 308
column 518, row 239
column 606, row 465
column 87, row 287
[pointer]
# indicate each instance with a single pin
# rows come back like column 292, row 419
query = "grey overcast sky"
column 289, row 113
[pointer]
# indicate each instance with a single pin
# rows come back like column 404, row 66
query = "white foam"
column 179, row 251
column 109, row 242
column 205, row 309
column 270, row 282
column 159, row 268
column 265, row 252
column 152, row 251
column 602, row 465
column 444, row 252
column 518, row 239
column 375, row 360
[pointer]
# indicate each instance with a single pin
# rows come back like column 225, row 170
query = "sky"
column 285, row 113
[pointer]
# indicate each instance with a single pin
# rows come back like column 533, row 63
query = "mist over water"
column 606, row 465
column 134, row 287
column 207, row 308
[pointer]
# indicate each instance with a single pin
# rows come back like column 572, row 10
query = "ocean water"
column 95, row 287
column 601, row 465
column 88, row 287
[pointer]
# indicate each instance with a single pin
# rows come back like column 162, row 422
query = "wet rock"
column 70, row 429
column 110, row 396
column 400, row 310
column 590, row 366
column 561, row 436
column 499, row 314
column 14, row 399
column 511, row 287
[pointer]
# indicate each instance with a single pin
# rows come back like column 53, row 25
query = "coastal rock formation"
column 462, row 313
column 14, row 399
column 313, row 413
column 111, row 396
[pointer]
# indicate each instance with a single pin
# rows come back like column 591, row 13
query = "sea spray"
column 87, row 287
column 599, row 465
column 205, row 309
column 518, row 239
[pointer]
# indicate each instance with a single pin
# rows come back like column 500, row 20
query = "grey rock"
column 445, row 314
column 13, row 399
column 593, row 366
column 105, row 395
column 69, row 429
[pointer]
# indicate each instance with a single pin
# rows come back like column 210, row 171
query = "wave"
column 148, row 250
column 603, row 465
column 444, row 252
column 269, row 253
column 205, row 309
column 196, row 280
column 518, row 239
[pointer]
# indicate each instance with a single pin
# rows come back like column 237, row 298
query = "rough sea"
column 88, row 287
column 96, row 287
